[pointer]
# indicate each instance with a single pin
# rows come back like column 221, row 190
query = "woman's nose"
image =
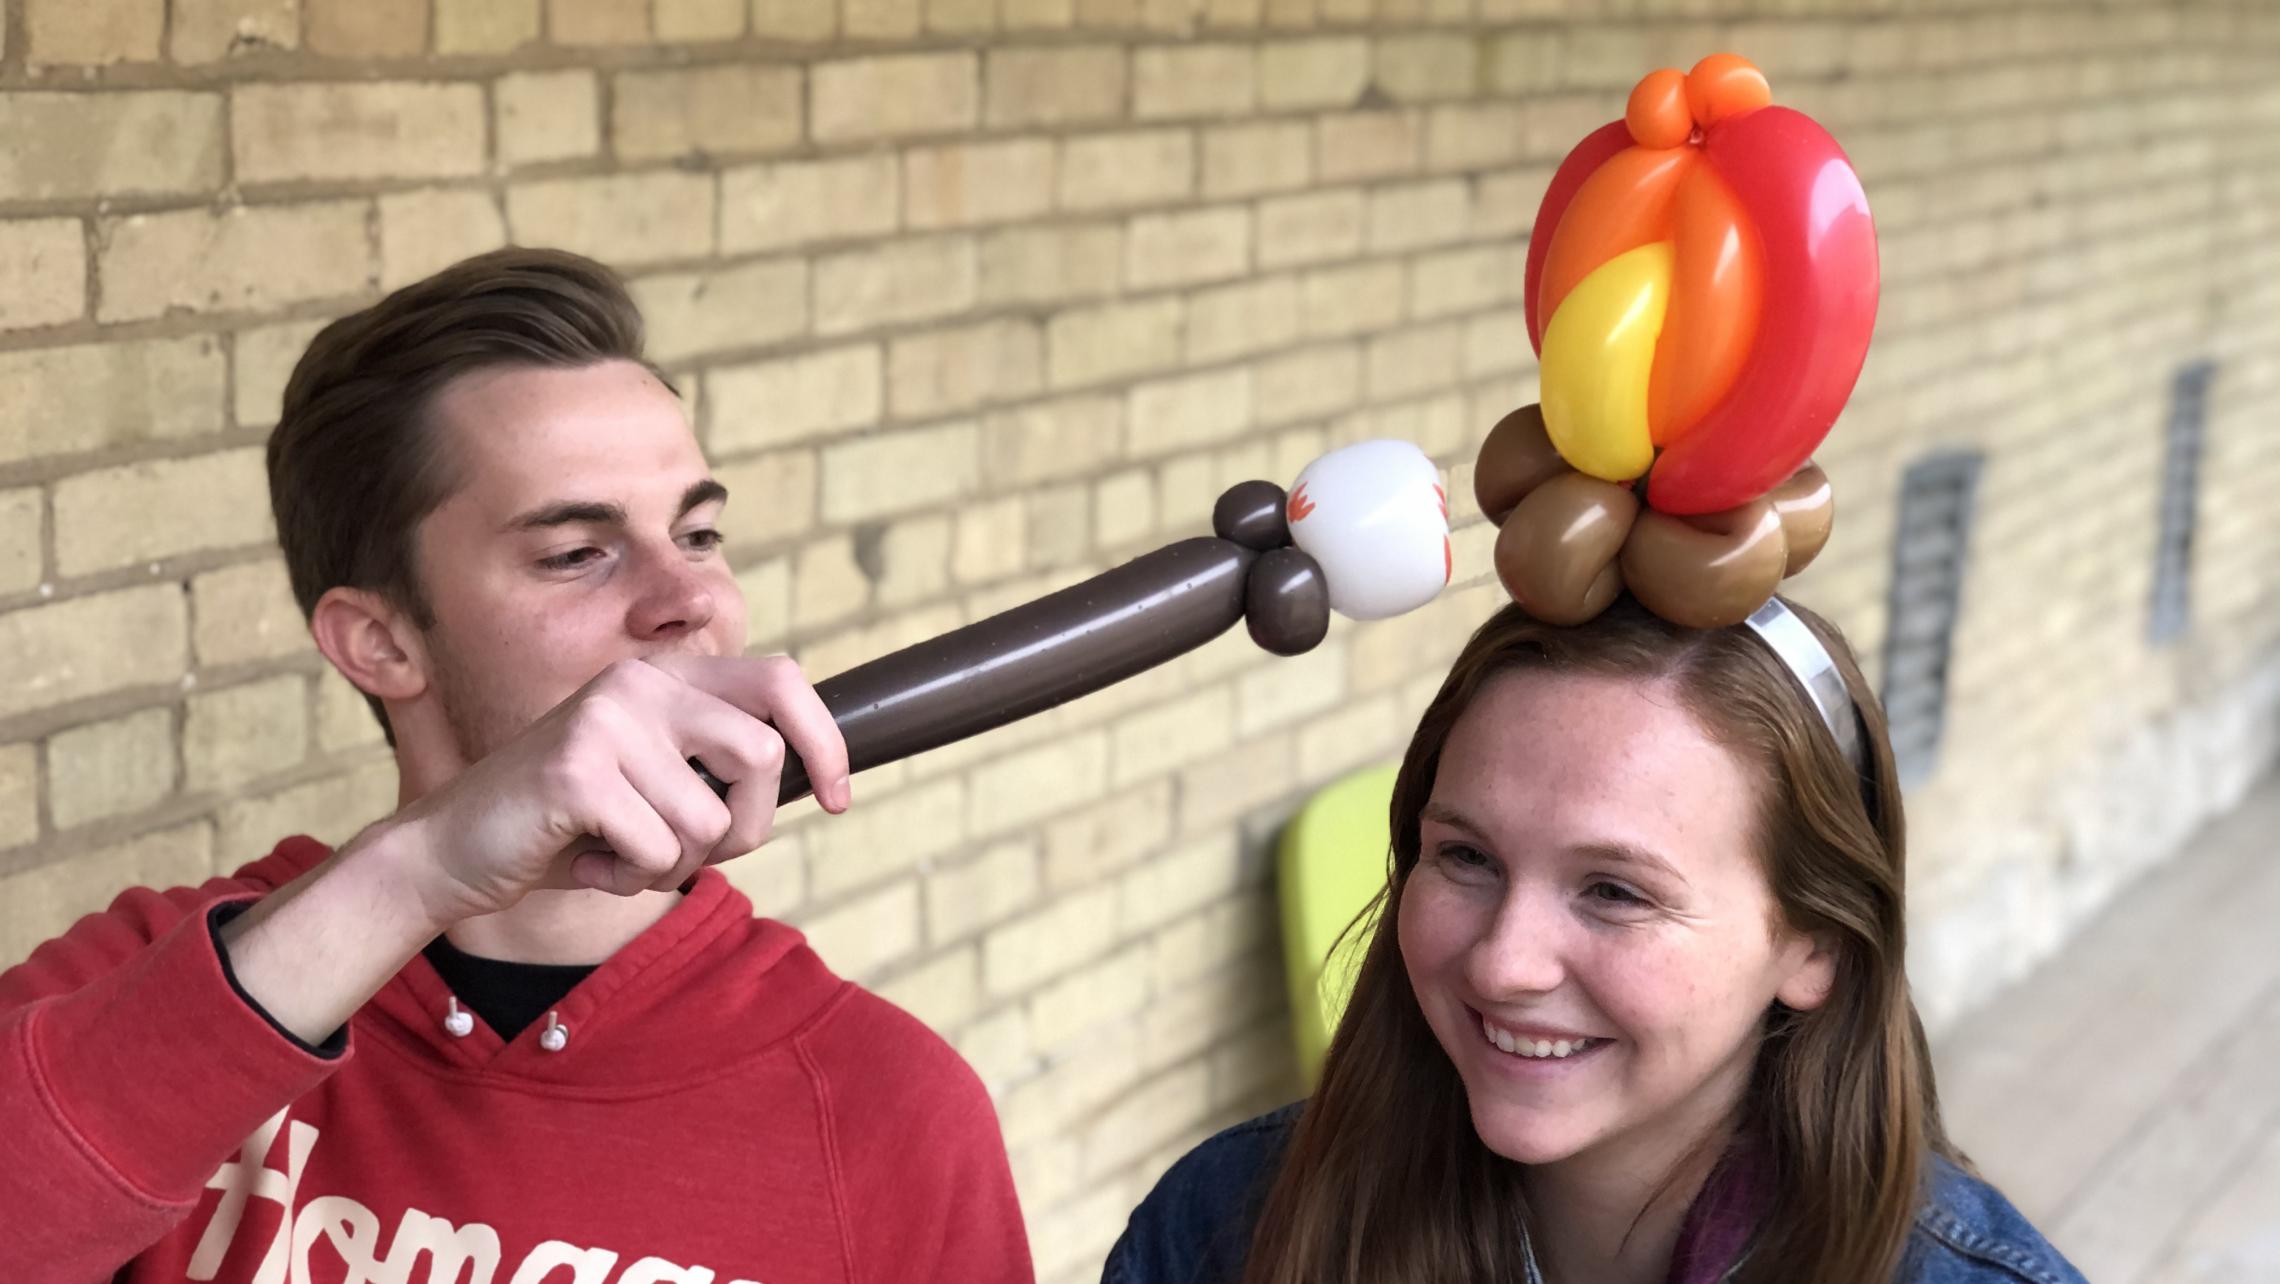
column 1522, row 952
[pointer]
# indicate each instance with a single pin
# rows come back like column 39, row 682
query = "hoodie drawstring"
column 459, row 1023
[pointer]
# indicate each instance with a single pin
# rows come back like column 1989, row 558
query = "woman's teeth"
column 1554, row 1048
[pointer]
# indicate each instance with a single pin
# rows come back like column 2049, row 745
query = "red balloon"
column 1587, row 156
column 1819, row 254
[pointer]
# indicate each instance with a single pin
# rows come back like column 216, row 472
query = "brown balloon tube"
column 1557, row 551
column 1517, row 458
column 1709, row 571
column 1035, row 656
column 1808, row 508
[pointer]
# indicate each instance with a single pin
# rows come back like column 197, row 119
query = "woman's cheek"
column 1432, row 923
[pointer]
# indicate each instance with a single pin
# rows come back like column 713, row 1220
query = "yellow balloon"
column 1599, row 352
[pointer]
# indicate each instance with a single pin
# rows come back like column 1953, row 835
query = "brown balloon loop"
column 1252, row 514
column 1558, row 551
column 1517, row 458
column 1808, row 508
column 1709, row 571
column 1286, row 602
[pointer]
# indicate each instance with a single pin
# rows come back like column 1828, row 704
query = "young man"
column 515, row 1032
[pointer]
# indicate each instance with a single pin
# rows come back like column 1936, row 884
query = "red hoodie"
column 724, row 1110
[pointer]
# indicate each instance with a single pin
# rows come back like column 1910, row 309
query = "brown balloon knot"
column 1570, row 543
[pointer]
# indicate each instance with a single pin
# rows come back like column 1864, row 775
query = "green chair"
column 1332, row 861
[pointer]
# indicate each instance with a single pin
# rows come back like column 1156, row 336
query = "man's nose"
column 676, row 596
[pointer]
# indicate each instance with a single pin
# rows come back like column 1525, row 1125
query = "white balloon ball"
column 1375, row 516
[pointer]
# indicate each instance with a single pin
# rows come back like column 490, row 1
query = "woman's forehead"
column 1571, row 758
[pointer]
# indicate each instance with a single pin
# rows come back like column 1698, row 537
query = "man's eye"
column 569, row 561
column 704, row 540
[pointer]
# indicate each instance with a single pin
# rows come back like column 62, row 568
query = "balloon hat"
column 1701, row 284
column 1364, row 531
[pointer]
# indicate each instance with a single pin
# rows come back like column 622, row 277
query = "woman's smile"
column 1535, row 1052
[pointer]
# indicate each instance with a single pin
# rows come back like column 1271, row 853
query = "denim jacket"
column 1195, row 1226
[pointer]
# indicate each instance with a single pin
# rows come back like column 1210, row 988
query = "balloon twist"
column 1568, row 542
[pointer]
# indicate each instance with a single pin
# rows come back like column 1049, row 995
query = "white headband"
column 1802, row 653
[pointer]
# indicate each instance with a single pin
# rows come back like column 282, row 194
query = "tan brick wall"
column 976, row 297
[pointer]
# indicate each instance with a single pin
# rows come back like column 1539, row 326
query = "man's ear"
column 1812, row 971
column 371, row 642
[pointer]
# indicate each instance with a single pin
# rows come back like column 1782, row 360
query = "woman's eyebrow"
column 1444, row 814
column 1622, row 853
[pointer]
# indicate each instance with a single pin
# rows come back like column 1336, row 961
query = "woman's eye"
column 1614, row 894
column 1464, row 857
column 569, row 561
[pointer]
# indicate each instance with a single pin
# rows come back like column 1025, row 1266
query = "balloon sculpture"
column 1701, row 284
column 1364, row 531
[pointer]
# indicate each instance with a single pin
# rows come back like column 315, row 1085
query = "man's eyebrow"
column 703, row 492
column 587, row 512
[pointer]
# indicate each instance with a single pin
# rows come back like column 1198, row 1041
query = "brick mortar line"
column 40, row 723
column 668, row 55
column 184, row 807
column 607, row 165
column 87, row 330
column 45, row 468
column 186, row 565
column 301, row 66
column 195, row 448
column 183, row 568
column 997, row 1005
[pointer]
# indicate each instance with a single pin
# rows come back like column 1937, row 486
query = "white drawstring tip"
column 556, row 1036
column 456, row 1023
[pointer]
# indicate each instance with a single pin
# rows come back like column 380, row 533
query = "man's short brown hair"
column 354, row 464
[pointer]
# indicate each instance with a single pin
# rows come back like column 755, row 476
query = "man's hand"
column 599, row 792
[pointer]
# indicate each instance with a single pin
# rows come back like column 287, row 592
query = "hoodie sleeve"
column 921, row 1165
column 130, row 1070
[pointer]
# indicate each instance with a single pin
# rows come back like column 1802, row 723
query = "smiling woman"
column 1636, row 1009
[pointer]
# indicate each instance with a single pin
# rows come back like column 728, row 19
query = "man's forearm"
column 313, row 951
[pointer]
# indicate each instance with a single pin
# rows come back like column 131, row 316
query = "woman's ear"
column 371, row 642
column 1810, row 971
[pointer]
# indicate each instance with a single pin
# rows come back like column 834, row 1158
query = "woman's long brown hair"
column 1385, row 1180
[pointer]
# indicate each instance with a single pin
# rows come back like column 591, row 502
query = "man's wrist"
column 392, row 858
column 310, row 953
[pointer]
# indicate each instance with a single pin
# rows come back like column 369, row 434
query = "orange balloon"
column 1717, row 287
column 1658, row 115
column 1626, row 203
column 1723, row 85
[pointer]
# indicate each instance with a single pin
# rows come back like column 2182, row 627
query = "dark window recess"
column 1930, row 552
column 2180, row 496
